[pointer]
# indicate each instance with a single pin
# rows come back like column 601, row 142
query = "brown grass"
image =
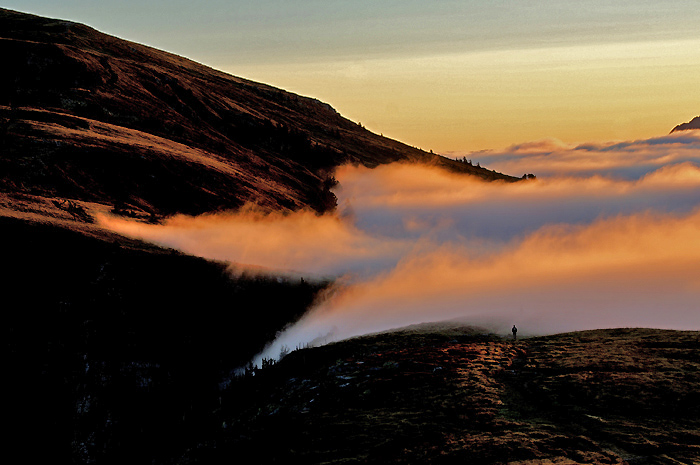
column 609, row 396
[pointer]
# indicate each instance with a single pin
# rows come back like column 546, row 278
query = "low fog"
column 587, row 245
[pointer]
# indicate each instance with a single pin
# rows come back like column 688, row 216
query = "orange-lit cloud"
column 391, row 211
column 638, row 270
column 405, row 185
column 413, row 243
column 302, row 242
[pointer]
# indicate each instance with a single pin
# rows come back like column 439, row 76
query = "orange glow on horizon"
column 493, row 99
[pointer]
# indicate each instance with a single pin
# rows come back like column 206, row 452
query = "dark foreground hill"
column 113, row 348
column 452, row 395
column 438, row 394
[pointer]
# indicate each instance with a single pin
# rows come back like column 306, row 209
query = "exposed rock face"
column 692, row 124
column 91, row 117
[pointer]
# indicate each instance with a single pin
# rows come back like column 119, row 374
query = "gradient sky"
column 452, row 76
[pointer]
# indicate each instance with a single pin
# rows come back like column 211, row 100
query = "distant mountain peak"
column 692, row 124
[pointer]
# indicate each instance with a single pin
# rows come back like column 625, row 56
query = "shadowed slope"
column 114, row 342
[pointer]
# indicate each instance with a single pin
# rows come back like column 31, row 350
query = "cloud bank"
column 302, row 243
column 412, row 244
column 624, row 159
column 638, row 270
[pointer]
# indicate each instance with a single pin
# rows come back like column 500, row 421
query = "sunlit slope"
column 92, row 117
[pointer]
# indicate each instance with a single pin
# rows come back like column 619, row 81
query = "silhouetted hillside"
column 114, row 344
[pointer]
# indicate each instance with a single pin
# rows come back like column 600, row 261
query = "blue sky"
column 273, row 30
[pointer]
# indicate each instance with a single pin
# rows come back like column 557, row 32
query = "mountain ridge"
column 270, row 147
column 692, row 124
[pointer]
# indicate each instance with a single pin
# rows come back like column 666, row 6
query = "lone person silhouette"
column 515, row 332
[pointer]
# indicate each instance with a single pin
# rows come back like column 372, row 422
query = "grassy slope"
column 91, row 117
column 453, row 396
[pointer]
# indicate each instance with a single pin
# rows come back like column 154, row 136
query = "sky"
column 449, row 76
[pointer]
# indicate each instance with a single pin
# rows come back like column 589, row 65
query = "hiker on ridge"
column 515, row 332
